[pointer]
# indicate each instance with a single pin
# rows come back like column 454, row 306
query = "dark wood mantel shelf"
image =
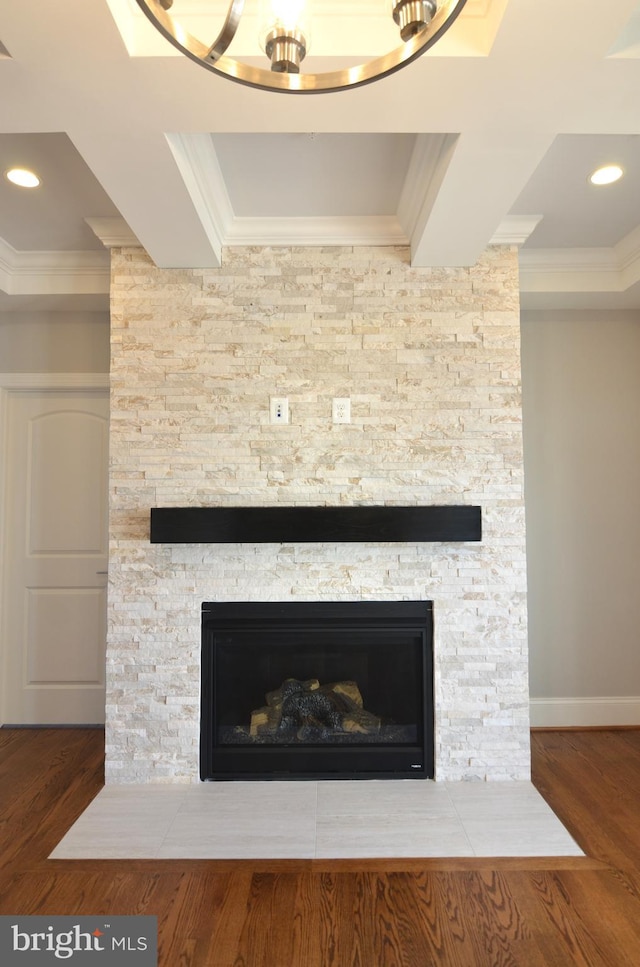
column 301, row 524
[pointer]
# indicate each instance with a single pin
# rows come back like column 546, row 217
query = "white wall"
column 54, row 342
column 581, row 406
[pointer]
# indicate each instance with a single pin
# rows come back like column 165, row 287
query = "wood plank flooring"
column 373, row 913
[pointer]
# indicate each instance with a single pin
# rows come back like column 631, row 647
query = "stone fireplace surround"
column 430, row 361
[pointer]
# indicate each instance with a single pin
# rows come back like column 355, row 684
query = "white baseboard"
column 584, row 712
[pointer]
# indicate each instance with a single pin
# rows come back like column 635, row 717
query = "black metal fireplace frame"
column 357, row 761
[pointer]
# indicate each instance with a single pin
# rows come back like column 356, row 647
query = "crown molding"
column 427, row 167
column 200, row 170
column 53, row 273
column 515, row 229
column 577, row 270
column 628, row 253
column 582, row 269
column 113, row 232
column 355, row 230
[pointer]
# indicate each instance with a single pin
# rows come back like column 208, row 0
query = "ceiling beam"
column 146, row 184
column 485, row 173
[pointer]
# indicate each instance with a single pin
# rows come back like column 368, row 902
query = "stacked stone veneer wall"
column 430, row 361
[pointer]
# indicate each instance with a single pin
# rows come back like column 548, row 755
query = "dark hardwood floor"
column 375, row 913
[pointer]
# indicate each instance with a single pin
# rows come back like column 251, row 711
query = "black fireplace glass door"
column 378, row 665
column 337, row 690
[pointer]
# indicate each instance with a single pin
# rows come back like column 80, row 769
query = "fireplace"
column 312, row 690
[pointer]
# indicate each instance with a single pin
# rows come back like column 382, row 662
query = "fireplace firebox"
column 313, row 690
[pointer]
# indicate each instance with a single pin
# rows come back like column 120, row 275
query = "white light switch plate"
column 279, row 410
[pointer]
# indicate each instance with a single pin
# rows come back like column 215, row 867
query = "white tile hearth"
column 317, row 820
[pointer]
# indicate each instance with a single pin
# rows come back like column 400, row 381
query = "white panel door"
column 55, row 557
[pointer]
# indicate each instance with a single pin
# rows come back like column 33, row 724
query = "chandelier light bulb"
column 285, row 35
column 289, row 13
column 412, row 16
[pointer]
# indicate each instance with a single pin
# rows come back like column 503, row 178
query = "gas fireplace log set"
column 302, row 711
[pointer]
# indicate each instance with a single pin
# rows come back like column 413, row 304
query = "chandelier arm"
column 156, row 12
column 228, row 31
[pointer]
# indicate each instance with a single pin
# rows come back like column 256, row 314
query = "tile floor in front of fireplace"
column 317, row 820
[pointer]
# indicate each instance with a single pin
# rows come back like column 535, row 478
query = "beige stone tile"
column 495, row 800
column 388, row 819
column 510, row 819
column 123, row 822
column 522, row 836
column 237, row 820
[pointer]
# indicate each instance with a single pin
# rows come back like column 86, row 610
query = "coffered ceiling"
column 490, row 136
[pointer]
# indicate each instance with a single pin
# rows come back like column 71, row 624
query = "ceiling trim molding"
column 570, row 270
column 355, row 230
column 199, row 167
column 427, row 167
column 113, row 232
column 628, row 252
column 52, row 273
column 563, row 260
column 613, row 269
column 578, row 270
column 515, row 229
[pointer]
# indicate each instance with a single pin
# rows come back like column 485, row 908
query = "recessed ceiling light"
column 23, row 178
column 606, row 175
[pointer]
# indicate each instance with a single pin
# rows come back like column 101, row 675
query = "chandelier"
column 284, row 36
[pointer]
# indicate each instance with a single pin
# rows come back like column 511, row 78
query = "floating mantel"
column 278, row 525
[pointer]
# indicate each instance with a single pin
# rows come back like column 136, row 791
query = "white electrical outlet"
column 279, row 409
column 341, row 409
